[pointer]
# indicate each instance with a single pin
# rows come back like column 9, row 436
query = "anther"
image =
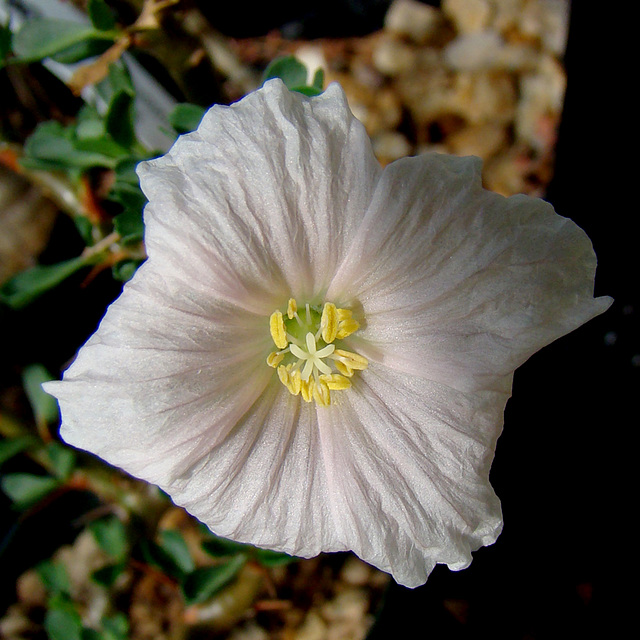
column 351, row 359
column 292, row 308
column 321, row 393
column 346, row 328
column 295, row 382
column 329, row 322
column 306, row 390
column 336, row 382
column 275, row 358
column 278, row 331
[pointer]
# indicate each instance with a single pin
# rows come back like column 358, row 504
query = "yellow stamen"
column 321, row 393
column 343, row 368
column 329, row 322
column 292, row 308
column 309, row 361
column 295, row 382
column 278, row 331
column 352, row 360
column 336, row 382
column 283, row 374
column 346, row 328
column 275, row 358
column 306, row 389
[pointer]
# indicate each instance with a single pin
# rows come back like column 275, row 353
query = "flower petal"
column 263, row 481
column 267, row 194
column 459, row 284
column 165, row 377
column 409, row 471
column 266, row 483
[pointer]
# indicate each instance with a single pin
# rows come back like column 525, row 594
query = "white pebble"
column 473, row 51
column 412, row 19
column 468, row 16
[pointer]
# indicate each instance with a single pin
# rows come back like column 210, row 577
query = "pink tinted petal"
column 409, row 467
column 266, row 482
column 164, row 378
column 266, row 194
column 459, row 284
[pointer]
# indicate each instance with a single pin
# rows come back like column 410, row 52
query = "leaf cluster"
column 71, row 160
column 198, row 584
column 57, row 461
column 99, row 148
column 94, row 149
column 63, row 620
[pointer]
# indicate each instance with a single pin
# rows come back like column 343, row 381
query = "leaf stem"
column 102, row 245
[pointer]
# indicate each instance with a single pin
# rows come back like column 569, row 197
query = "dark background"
column 564, row 566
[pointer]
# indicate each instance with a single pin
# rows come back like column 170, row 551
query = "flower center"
column 309, row 359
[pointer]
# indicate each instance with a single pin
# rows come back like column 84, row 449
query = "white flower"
column 317, row 354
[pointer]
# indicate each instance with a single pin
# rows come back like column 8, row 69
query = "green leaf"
column 126, row 172
column 290, row 70
column 51, row 146
column 173, row 543
column 311, row 92
column 157, row 556
column 25, row 287
column 101, row 16
column 84, row 227
column 62, row 459
column 318, row 80
column 26, row 489
column 115, row 627
column 203, row 583
column 129, row 225
column 43, row 405
column 124, row 270
column 12, row 447
column 269, row 558
column 54, row 576
column 111, row 535
column 294, row 75
column 63, row 624
column 130, row 196
column 82, row 51
column 120, row 118
column 120, row 79
column 220, row 547
column 186, row 117
column 6, row 37
column 90, row 124
column 43, row 37
column 107, row 575
column 104, row 147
